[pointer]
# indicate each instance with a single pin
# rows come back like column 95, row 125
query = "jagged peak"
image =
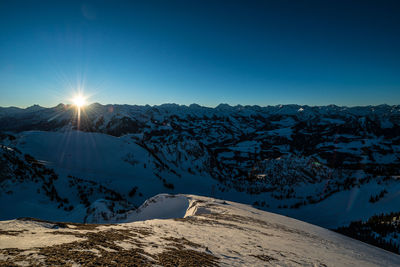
column 34, row 107
column 224, row 106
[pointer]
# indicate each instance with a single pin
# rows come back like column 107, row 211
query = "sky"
column 204, row 52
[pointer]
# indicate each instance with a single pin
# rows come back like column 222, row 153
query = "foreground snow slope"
column 206, row 232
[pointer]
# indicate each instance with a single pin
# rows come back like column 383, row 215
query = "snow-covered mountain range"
column 328, row 166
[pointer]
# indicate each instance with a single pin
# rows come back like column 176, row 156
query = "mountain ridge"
column 219, row 106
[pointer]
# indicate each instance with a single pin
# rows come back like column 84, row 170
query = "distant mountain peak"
column 34, row 107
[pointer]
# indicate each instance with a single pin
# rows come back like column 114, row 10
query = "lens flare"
column 79, row 101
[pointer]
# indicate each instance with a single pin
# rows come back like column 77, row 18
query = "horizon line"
column 203, row 106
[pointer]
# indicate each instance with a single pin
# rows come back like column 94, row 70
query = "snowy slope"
column 96, row 170
column 207, row 232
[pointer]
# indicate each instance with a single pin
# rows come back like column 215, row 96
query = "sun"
column 79, row 101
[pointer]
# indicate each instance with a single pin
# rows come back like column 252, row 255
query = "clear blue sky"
column 205, row 52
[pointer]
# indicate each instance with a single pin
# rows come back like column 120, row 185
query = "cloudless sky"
column 205, row 52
